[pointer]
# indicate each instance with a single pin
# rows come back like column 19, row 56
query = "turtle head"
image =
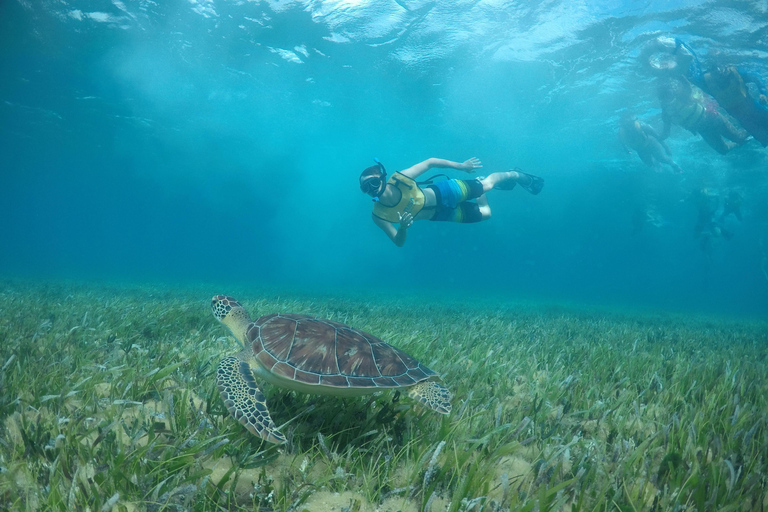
column 229, row 312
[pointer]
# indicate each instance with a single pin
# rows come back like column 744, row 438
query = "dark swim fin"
column 533, row 186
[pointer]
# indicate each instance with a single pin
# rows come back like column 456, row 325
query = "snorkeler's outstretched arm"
column 420, row 168
column 397, row 235
column 755, row 79
column 650, row 132
column 667, row 127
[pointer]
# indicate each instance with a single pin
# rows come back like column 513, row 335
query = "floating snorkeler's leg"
column 506, row 185
column 504, row 180
column 508, row 181
column 531, row 183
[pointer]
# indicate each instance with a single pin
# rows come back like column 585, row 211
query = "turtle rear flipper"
column 244, row 399
column 433, row 395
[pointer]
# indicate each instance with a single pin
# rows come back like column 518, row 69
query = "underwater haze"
column 221, row 141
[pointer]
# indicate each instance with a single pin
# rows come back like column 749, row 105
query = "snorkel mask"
column 723, row 75
column 373, row 180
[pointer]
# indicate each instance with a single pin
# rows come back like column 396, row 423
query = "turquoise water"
column 221, row 142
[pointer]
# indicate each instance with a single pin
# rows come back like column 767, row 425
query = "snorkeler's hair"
column 373, row 170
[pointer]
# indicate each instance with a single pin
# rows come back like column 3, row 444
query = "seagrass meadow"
column 109, row 403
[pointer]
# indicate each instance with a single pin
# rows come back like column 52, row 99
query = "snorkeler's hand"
column 406, row 219
column 471, row 164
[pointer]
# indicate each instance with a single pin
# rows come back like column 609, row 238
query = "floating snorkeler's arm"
column 397, row 235
column 667, row 127
column 650, row 132
column 406, row 220
column 754, row 78
column 623, row 140
column 626, row 148
column 432, row 163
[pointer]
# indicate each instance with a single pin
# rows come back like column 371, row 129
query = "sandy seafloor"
column 596, row 405
column 603, row 350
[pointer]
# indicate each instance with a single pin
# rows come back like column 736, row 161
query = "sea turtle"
column 312, row 355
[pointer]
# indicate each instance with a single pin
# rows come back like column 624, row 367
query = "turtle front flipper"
column 244, row 399
column 433, row 395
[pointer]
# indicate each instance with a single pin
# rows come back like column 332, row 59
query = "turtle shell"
column 326, row 353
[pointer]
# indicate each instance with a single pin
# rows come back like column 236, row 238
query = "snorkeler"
column 670, row 57
column 732, row 205
column 641, row 137
column 709, row 225
column 684, row 104
column 401, row 200
column 728, row 85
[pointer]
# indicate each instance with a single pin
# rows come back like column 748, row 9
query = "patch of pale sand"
column 13, row 429
column 326, row 501
column 555, row 413
column 102, row 389
column 398, row 504
column 152, row 410
column 127, row 506
column 247, row 480
column 156, row 411
column 644, row 493
column 595, row 429
column 294, row 465
column 403, row 474
column 321, row 501
column 519, row 395
column 24, row 478
column 13, row 423
column 20, row 474
column 528, row 452
column 519, row 475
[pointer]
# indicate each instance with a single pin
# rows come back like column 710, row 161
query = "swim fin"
column 533, row 186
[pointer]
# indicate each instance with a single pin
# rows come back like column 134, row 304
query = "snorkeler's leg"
column 484, row 207
column 490, row 181
column 758, row 128
column 647, row 157
column 760, row 122
column 716, row 142
column 508, row 180
column 728, row 130
column 663, row 156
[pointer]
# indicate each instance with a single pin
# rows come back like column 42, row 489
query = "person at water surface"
column 401, row 200
column 643, row 139
column 686, row 105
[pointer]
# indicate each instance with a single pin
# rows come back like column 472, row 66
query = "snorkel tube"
column 381, row 166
